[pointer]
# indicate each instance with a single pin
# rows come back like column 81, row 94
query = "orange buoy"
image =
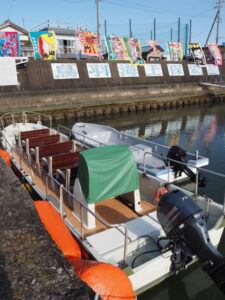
column 58, row 230
column 107, row 280
column 5, row 155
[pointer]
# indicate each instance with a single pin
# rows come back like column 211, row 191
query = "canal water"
column 193, row 128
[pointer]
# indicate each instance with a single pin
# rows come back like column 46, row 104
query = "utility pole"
column 178, row 30
column 98, row 18
column 130, row 29
column 219, row 6
column 105, row 25
column 154, row 28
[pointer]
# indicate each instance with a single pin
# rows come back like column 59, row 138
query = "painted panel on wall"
column 98, row 70
column 153, row 70
column 195, row 70
column 127, row 70
column 175, row 70
column 212, row 70
column 8, row 74
column 65, row 71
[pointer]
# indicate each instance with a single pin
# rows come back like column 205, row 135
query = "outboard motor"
column 179, row 154
column 183, row 222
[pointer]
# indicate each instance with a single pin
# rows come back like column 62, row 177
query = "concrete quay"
column 31, row 265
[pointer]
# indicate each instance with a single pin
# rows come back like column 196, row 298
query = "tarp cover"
column 106, row 172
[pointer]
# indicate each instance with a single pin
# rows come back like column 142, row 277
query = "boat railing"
column 5, row 116
column 63, row 191
column 169, row 160
column 14, row 152
column 123, row 137
column 26, row 114
column 154, row 145
column 86, row 139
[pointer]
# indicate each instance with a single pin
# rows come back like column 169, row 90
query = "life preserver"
column 5, row 155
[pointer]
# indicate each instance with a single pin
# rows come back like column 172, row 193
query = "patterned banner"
column 44, row 45
column 9, row 44
column 116, row 48
column 198, row 53
column 216, row 54
column 153, row 45
column 134, row 51
column 89, row 42
column 175, row 51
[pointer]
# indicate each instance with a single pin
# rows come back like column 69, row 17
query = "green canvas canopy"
column 106, row 172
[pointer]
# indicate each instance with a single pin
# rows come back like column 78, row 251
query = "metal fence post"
column 61, row 200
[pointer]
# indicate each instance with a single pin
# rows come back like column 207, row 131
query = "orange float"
column 107, row 280
column 110, row 282
column 5, row 155
column 58, row 230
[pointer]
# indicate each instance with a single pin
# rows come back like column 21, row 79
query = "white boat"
column 152, row 158
column 107, row 203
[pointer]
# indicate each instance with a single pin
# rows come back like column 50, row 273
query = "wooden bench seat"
column 42, row 140
column 23, row 135
column 61, row 164
column 60, row 161
column 53, row 149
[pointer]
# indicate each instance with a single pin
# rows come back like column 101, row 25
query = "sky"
column 30, row 14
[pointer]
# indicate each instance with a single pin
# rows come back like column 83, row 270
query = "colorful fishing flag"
column 198, row 53
column 44, row 44
column 9, row 44
column 216, row 54
column 175, row 51
column 134, row 51
column 89, row 42
column 153, row 47
column 116, row 48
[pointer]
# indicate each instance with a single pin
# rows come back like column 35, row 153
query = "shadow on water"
column 6, row 292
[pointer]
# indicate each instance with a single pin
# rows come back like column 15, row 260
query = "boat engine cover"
column 176, row 211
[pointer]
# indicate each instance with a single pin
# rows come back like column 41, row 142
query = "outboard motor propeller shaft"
column 183, row 220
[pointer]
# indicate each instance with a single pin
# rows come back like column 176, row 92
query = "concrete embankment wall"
column 38, row 89
column 31, row 265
